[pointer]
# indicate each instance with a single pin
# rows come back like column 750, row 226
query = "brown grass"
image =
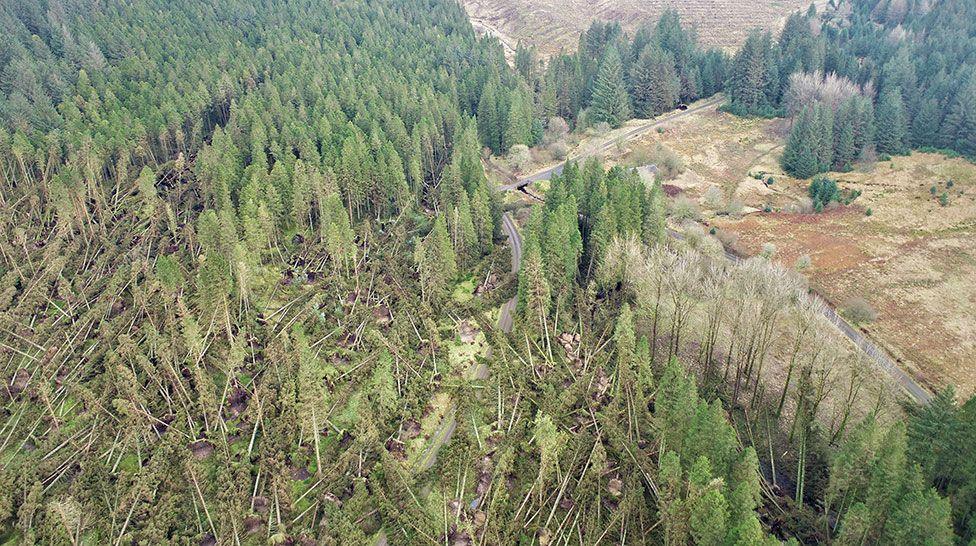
column 912, row 260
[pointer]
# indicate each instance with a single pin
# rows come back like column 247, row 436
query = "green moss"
column 464, row 291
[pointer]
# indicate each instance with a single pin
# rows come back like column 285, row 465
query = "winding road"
column 874, row 353
column 446, row 429
column 871, row 350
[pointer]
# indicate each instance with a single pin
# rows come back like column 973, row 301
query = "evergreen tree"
column 534, row 295
column 800, row 157
column 436, row 262
column 611, row 103
column 489, row 118
column 654, row 82
column 959, row 125
column 519, row 124
column 892, row 123
column 925, row 124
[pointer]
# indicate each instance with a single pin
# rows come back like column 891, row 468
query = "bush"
column 601, row 128
column 519, row 156
column 770, row 181
column 559, row 150
column 858, row 311
column 556, row 130
column 713, row 198
column 944, row 199
column 685, row 209
column 734, row 208
column 697, row 239
column 822, row 192
column 729, row 239
column 669, row 164
column 803, row 263
column 868, row 212
column 768, row 251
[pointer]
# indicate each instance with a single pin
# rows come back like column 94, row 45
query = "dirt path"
column 608, row 143
column 445, row 431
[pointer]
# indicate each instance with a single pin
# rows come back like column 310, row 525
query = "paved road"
column 445, row 431
column 505, row 316
column 627, row 135
column 874, row 353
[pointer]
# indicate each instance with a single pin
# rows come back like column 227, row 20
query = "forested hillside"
column 251, row 273
column 866, row 76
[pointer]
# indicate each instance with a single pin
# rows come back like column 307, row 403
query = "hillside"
column 334, row 272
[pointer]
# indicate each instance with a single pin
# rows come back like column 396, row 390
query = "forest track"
column 506, row 315
column 626, row 136
column 442, row 435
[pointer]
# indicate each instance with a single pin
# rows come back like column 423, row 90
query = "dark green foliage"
column 654, row 82
column 753, row 86
column 930, row 70
column 800, row 157
column 611, row 104
column 822, row 192
column 892, row 123
column 658, row 67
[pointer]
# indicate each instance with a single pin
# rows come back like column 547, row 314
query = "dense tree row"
column 612, row 77
column 912, row 60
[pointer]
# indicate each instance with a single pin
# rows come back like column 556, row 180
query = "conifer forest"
column 259, row 284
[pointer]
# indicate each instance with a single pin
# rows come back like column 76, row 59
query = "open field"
column 551, row 25
column 912, row 259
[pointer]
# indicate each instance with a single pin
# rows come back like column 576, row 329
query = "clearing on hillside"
column 551, row 25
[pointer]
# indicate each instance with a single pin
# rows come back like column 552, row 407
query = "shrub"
column 713, row 198
column 729, row 239
column 519, row 156
column 697, row 239
column 556, row 130
column 859, row 311
column 822, row 192
column 669, row 164
column 944, row 199
column 684, row 209
column 933, row 189
column 768, row 251
column 770, row 181
column 950, row 183
column 868, row 212
column 803, row 263
column 559, row 150
column 734, row 208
